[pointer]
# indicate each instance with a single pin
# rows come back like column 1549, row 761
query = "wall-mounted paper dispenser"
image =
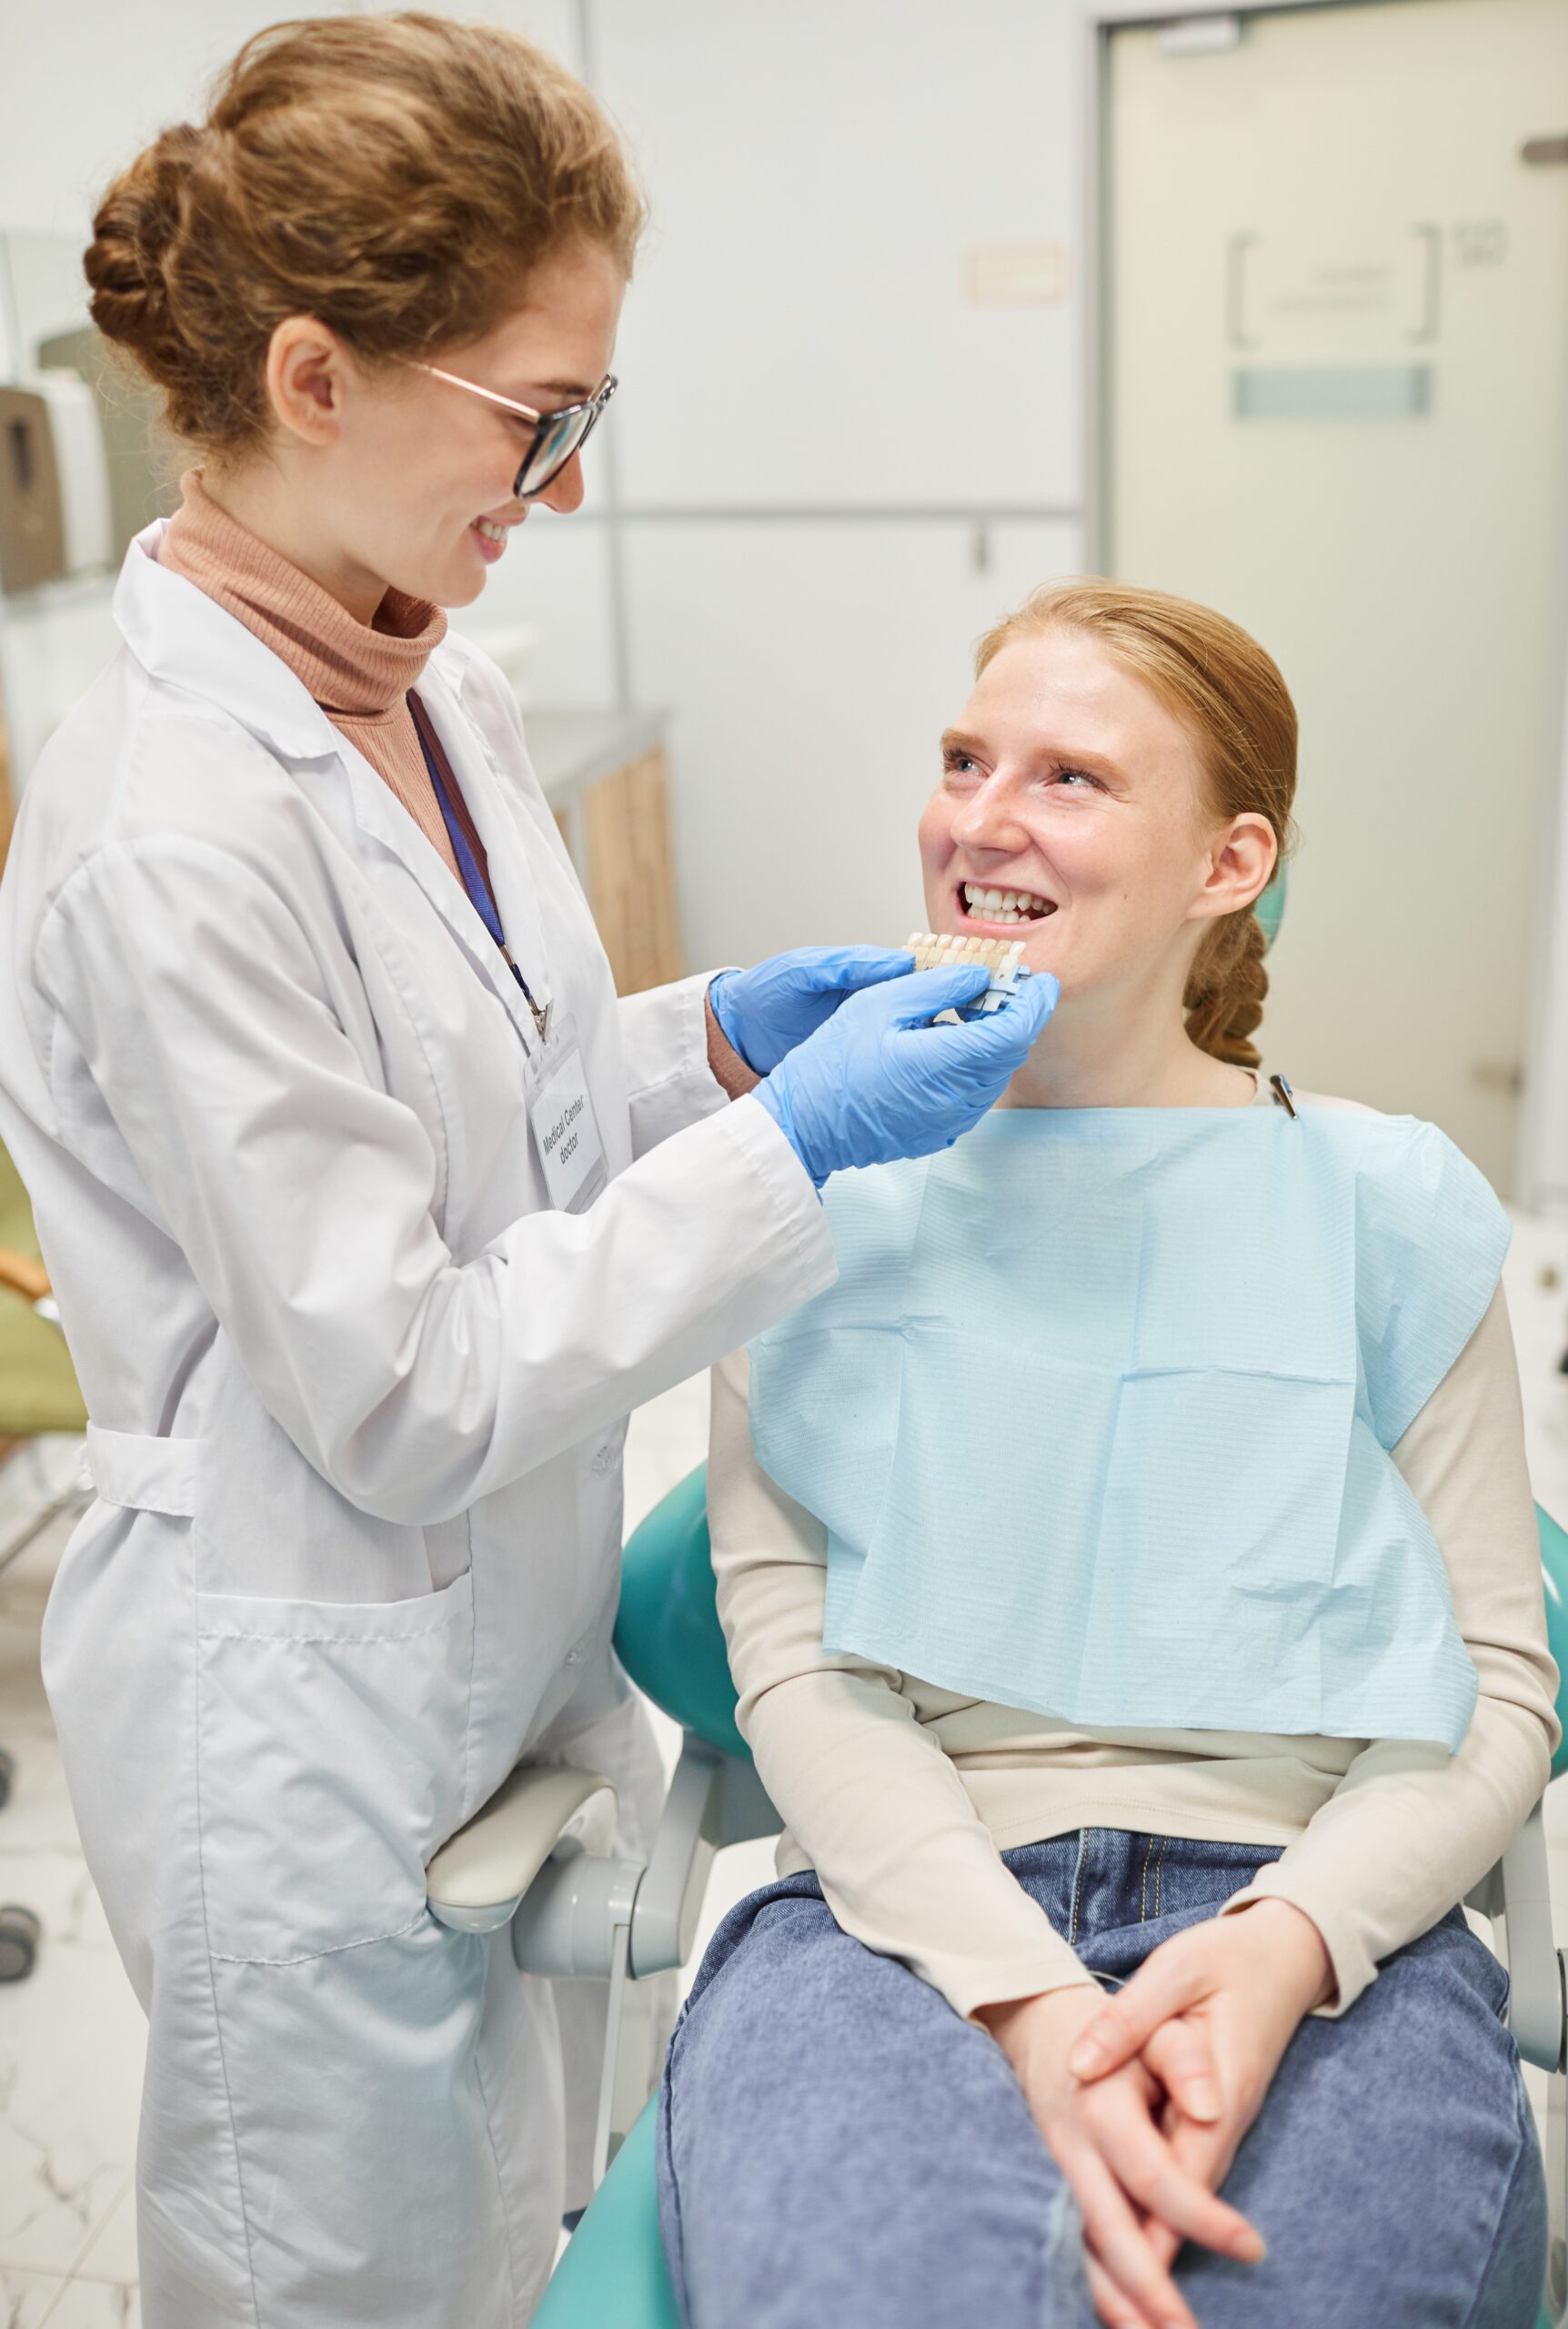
column 32, row 522
column 54, row 511
column 142, row 462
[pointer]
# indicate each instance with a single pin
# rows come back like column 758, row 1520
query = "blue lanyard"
column 480, row 896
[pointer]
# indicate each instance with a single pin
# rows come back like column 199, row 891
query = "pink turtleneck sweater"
column 359, row 673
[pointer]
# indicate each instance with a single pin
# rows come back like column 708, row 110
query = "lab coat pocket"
column 331, row 1739
column 600, row 1487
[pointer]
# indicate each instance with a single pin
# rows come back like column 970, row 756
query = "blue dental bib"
column 1097, row 1417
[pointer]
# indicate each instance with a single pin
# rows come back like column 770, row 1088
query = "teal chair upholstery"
column 612, row 2275
column 1271, row 907
column 668, row 1635
column 1554, row 1578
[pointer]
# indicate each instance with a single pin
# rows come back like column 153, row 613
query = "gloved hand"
column 878, row 1082
column 766, row 1011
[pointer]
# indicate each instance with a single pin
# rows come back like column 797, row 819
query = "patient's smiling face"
column 1067, row 782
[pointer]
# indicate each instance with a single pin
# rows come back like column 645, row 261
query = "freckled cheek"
column 936, row 843
column 935, row 829
column 1076, row 853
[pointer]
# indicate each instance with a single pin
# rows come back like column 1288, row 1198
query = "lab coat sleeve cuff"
column 1352, row 1966
column 790, row 1187
column 663, row 1043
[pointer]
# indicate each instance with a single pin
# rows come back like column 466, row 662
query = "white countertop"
column 573, row 750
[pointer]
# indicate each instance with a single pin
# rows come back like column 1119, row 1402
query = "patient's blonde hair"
column 1229, row 695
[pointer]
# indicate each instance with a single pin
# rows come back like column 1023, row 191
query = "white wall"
column 85, row 82
column 813, row 420
column 818, row 172
column 830, row 471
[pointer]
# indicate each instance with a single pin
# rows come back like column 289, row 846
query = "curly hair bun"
column 129, row 261
column 396, row 178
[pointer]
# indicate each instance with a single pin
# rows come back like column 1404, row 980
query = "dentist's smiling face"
column 1072, row 813
column 408, row 480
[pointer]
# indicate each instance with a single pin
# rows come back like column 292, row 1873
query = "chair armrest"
column 477, row 1880
column 1518, row 1891
column 714, row 1799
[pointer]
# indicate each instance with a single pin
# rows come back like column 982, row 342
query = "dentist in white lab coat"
column 370, row 1210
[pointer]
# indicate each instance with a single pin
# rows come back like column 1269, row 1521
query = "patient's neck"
column 1121, row 1053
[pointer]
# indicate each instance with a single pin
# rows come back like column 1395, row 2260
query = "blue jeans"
column 838, row 2147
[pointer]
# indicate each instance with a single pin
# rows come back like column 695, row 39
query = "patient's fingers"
column 1205, row 2151
column 1162, row 1985
column 1113, row 2305
column 1153, row 2172
column 1113, row 2233
column 1182, row 2058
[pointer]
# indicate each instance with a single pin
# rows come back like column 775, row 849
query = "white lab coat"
column 358, row 1399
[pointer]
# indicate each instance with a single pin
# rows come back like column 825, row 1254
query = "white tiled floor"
column 72, row 2037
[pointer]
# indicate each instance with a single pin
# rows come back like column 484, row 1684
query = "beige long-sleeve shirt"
column 903, row 1797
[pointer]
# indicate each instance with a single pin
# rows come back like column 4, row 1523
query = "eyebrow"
column 955, row 739
column 570, row 392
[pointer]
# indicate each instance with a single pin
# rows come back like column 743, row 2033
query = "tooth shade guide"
column 1003, row 957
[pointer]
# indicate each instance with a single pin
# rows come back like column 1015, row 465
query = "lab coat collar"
column 187, row 640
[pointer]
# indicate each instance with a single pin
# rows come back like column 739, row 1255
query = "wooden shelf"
column 607, row 777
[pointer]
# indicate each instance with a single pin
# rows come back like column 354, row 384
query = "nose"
column 564, row 492
column 987, row 820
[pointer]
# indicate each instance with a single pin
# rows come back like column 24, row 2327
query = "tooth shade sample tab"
column 1003, row 957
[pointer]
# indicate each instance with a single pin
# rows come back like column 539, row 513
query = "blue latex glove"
column 878, row 1082
column 766, row 1011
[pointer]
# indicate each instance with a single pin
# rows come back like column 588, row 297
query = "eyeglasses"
column 557, row 435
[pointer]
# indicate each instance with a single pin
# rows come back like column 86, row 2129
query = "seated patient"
column 1130, row 1580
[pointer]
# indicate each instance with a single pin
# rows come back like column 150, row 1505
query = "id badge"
column 566, row 1131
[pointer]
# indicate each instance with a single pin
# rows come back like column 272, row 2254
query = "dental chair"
column 536, row 1857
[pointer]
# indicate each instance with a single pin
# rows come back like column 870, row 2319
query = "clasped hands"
column 1142, row 2098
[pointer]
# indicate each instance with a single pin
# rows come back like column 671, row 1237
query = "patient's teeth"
column 982, row 902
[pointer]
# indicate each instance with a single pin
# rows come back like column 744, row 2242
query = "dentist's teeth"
column 492, row 533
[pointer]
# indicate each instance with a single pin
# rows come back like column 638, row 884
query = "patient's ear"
column 1241, row 863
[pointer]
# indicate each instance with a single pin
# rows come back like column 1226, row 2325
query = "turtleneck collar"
column 355, row 670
